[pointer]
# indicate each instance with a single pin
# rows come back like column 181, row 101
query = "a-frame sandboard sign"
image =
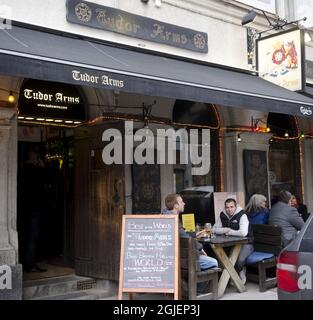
column 149, row 260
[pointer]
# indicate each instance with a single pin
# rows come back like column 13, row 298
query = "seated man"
column 233, row 221
column 174, row 205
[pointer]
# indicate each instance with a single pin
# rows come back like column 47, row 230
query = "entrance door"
column 99, row 205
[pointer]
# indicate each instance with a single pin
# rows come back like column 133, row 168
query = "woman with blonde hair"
column 257, row 210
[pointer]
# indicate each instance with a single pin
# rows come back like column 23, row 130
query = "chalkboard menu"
column 149, row 254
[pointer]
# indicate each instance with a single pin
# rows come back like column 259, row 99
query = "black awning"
column 46, row 56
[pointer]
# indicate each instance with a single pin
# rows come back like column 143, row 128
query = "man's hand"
column 201, row 233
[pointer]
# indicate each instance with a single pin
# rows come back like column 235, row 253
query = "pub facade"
column 87, row 67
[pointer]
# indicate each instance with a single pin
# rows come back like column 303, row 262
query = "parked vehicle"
column 295, row 266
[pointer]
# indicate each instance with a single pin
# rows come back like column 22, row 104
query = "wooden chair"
column 261, row 264
column 191, row 275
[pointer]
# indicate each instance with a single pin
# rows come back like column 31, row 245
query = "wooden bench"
column 191, row 274
column 261, row 264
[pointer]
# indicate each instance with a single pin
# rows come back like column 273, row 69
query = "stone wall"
column 8, row 233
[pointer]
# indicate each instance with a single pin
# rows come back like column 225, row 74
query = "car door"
column 305, row 270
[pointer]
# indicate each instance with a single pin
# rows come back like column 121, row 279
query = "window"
column 304, row 8
column 266, row 5
column 295, row 10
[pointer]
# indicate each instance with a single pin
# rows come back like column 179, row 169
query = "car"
column 295, row 266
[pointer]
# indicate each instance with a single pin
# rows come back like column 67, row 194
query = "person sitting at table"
column 175, row 205
column 233, row 221
column 302, row 208
column 284, row 215
column 257, row 210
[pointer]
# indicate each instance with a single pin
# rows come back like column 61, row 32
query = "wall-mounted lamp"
column 248, row 18
column 286, row 135
column 277, row 24
column 238, row 137
column 11, row 98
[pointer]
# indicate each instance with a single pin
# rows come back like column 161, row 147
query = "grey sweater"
column 288, row 218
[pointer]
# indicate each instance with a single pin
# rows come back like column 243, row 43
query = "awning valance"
column 47, row 56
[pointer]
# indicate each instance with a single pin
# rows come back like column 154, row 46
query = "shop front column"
column 10, row 270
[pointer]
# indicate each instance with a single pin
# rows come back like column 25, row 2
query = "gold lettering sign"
column 90, row 78
column 111, row 19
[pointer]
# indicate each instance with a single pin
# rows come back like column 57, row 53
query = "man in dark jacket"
column 33, row 208
column 284, row 215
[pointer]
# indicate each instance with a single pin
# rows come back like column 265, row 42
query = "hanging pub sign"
column 111, row 19
column 50, row 101
column 280, row 59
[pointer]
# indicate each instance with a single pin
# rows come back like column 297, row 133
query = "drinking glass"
column 208, row 229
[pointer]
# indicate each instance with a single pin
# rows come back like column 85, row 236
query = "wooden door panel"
column 81, row 207
column 105, row 201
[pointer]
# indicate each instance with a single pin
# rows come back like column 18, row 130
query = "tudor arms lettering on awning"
column 104, row 79
column 115, row 20
column 58, row 97
column 44, row 101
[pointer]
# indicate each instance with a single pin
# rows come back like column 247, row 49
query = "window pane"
column 282, row 170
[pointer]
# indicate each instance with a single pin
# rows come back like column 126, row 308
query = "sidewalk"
column 252, row 293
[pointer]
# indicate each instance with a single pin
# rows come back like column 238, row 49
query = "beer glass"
column 208, row 229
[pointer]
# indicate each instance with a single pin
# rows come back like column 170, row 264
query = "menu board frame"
column 175, row 239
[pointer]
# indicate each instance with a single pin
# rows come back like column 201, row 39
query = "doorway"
column 45, row 207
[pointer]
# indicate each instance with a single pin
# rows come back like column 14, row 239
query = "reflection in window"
column 282, row 171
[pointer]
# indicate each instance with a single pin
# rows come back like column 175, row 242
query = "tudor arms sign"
column 111, row 19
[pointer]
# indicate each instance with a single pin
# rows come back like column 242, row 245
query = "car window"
column 306, row 244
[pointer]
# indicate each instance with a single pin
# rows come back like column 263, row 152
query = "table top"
column 225, row 241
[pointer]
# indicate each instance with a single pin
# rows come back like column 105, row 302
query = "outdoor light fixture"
column 238, row 138
column 248, row 18
column 49, row 121
column 11, row 98
column 286, row 135
column 277, row 24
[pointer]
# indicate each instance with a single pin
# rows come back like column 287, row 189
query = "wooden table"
column 218, row 243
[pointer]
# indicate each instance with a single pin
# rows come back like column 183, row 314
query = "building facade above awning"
column 47, row 56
